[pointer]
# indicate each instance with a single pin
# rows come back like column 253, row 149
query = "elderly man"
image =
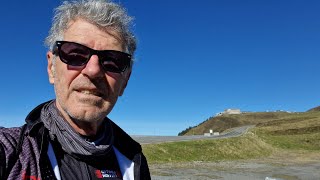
column 89, row 64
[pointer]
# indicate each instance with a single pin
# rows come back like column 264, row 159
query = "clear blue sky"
column 194, row 59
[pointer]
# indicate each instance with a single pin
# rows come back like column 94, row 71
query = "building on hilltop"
column 232, row 111
column 229, row 111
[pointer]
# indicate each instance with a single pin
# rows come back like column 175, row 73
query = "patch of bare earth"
column 279, row 166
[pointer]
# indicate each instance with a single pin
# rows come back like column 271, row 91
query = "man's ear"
column 125, row 81
column 50, row 67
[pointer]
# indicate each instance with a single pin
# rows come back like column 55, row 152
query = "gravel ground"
column 288, row 166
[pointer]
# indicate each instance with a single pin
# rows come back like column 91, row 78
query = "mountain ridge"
column 223, row 122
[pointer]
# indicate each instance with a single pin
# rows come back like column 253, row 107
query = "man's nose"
column 93, row 68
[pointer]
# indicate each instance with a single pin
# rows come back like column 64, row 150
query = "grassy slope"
column 221, row 123
column 297, row 131
column 207, row 150
column 274, row 132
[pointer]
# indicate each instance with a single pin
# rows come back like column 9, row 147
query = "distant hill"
column 224, row 122
column 316, row 109
column 227, row 121
column 275, row 132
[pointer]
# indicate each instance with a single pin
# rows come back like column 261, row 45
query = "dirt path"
column 280, row 166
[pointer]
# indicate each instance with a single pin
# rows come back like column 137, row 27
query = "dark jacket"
column 32, row 162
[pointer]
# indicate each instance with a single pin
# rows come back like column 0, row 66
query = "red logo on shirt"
column 27, row 177
column 107, row 174
column 99, row 174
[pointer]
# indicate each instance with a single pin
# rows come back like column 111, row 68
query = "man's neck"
column 88, row 129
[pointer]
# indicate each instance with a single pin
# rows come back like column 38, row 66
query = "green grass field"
column 248, row 146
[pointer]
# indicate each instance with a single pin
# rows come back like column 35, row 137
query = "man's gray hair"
column 102, row 13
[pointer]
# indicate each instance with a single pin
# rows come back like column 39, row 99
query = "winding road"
column 161, row 139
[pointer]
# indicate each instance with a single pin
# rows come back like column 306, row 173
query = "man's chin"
column 90, row 101
column 87, row 116
column 86, row 111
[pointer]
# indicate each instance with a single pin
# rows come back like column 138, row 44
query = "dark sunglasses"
column 76, row 54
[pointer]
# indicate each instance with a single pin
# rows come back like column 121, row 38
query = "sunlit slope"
column 273, row 132
column 224, row 122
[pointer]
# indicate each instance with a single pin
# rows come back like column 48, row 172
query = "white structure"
column 216, row 133
column 229, row 111
column 232, row 111
column 211, row 133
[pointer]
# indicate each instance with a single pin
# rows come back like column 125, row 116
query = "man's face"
column 87, row 93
